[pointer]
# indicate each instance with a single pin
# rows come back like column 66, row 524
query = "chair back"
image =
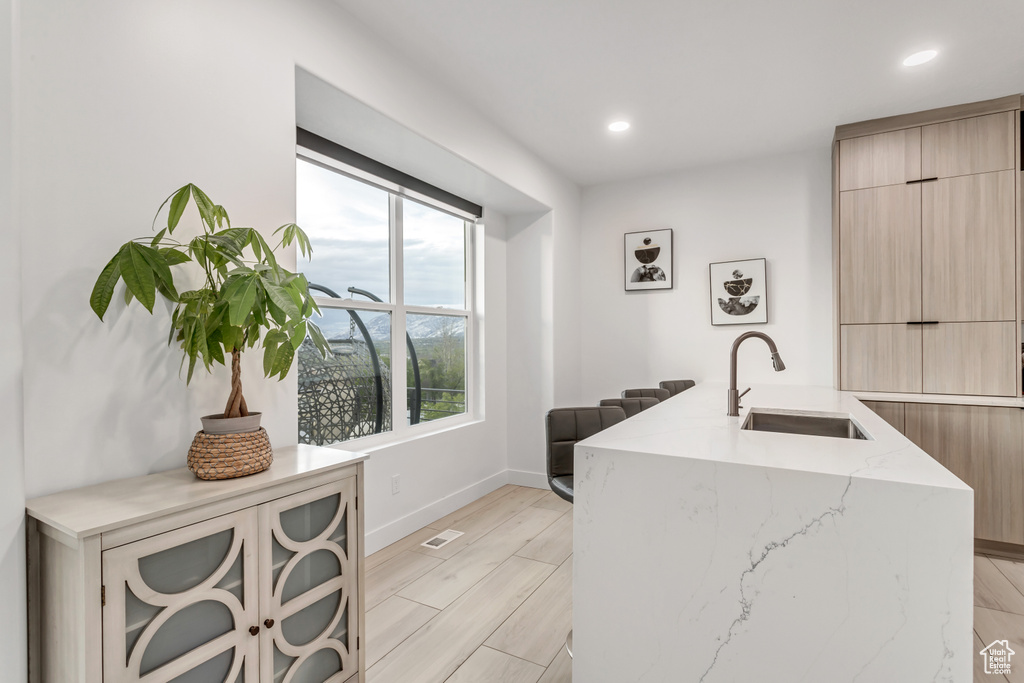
column 677, row 386
column 566, row 426
column 660, row 394
column 631, row 406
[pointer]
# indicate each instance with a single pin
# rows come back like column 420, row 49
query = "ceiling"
column 702, row 82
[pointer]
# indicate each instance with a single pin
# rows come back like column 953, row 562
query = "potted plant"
column 246, row 300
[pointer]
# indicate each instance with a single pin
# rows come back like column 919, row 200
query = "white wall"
column 12, row 490
column 778, row 208
column 126, row 101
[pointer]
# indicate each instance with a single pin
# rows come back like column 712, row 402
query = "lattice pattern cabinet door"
column 308, row 589
column 180, row 605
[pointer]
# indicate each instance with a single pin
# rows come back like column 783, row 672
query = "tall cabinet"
column 168, row 578
column 927, row 246
column 927, row 239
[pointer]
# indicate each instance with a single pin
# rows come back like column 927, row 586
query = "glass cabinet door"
column 308, row 586
column 180, row 605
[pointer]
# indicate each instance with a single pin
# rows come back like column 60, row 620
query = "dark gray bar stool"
column 677, row 386
column 631, row 406
column 660, row 394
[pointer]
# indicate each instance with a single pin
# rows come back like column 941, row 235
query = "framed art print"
column 648, row 260
column 739, row 292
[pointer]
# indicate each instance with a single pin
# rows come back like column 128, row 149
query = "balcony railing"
column 439, row 403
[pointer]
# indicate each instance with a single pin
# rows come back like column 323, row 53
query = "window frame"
column 399, row 310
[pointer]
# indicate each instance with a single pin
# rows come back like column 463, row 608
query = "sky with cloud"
column 347, row 223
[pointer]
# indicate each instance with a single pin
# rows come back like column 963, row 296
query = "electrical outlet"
column 394, row 484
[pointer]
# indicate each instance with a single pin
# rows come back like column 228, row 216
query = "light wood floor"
column 492, row 606
column 495, row 605
column 998, row 612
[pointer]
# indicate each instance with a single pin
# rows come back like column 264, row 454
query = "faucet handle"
column 738, row 405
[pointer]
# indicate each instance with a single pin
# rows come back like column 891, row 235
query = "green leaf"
column 298, row 335
column 283, row 300
column 216, row 353
column 174, row 325
column 221, row 215
column 276, row 313
column 201, row 347
column 191, row 368
column 318, row 338
column 205, row 206
column 178, row 204
column 127, row 296
column 275, row 336
column 104, row 287
column 270, row 350
column 173, row 257
column 268, row 253
column 282, row 361
column 138, row 275
column 240, row 295
column 224, row 243
column 160, row 268
column 159, row 236
column 198, row 249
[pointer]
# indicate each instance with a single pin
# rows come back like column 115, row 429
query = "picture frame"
column 739, row 292
column 647, row 262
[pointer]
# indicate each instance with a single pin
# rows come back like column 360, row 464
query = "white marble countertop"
column 96, row 509
column 711, row 554
column 694, row 424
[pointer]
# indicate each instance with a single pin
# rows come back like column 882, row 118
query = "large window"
column 391, row 275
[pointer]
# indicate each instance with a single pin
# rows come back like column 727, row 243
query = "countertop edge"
column 56, row 510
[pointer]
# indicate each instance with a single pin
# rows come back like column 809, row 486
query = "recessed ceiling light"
column 920, row 57
column 618, row 126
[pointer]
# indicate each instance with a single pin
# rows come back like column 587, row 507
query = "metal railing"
column 435, row 406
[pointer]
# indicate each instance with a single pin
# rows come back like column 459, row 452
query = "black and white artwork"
column 739, row 292
column 648, row 262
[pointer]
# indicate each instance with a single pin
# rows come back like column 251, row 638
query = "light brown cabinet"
column 926, row 222
column 968, row 245
column 884, row 159
column 881, row 358
column 880, row 254
column 891, row 411
column 978, row 144
column 970, row 358
column 982, row 446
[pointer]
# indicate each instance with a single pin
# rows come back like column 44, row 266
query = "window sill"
column 409, row 433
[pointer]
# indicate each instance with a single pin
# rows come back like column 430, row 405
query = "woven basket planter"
column 226, row 456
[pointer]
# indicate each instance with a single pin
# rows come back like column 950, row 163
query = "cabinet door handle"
column 269, row 623
column 253, row 630
column 921, row 180
column 923, row 322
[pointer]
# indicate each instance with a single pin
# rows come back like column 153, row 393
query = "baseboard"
column 1010, row 551
column 384, row 536
column 537, row 480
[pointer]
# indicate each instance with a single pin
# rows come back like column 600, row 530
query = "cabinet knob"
column 253, row 630
column 269, row 623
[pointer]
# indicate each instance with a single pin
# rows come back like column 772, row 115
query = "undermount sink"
column 810, row 424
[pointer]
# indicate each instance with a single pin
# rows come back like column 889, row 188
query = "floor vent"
column 442, row 539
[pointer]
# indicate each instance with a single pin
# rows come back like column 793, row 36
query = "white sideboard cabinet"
column 168, row 578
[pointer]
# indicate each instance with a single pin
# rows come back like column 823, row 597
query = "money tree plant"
column 247, row 298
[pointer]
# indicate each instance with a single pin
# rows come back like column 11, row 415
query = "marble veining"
column 705, row 553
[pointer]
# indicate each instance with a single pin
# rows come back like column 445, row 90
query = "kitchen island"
column 704, row 552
